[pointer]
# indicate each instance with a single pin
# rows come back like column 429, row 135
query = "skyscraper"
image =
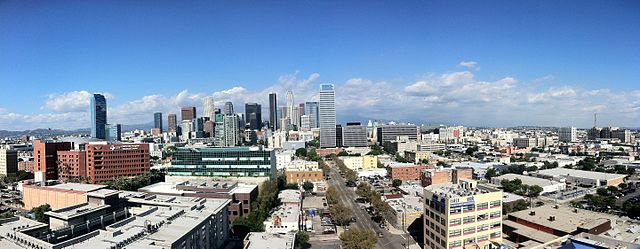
column 188, row 113
column 231, row 130
column 98, row 116
column 157, row 120
column 113, row 132
column 289, row 99
column 209, row 108
column 253, row 115
column 228, row 108
column 567, row 134
column 327, row 112
column 311, row 110
column 172, row 122
column 273, row 111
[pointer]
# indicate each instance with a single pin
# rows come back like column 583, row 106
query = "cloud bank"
column 451, row 98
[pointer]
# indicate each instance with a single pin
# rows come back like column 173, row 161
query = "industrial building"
column 581, row 177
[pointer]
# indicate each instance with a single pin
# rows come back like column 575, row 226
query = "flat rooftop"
column 556, row 172
column 78, row 187
column 528, row 180
column 566, row 220
column 456, row 190
column 264, row 240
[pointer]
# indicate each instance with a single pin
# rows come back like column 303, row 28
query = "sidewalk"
column 412, row 242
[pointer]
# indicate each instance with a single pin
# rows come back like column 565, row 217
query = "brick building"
column 45, row 155
column 439, row 176
column 406, row 171
column 100, row 162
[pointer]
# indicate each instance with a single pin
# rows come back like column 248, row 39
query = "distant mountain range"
column 60, row 132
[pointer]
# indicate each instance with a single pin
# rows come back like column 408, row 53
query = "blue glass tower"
column 98, row 116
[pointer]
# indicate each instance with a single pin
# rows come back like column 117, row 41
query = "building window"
column 469, row 230
column 455, row 243
column 455, row 222
column 469, row 219
column 455, row 233
column 483, row 205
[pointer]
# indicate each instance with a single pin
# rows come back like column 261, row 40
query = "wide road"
column 363, row 220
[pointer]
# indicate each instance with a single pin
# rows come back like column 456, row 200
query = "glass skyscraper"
column 253, row 115
column 223, row 162
column 311, row 110
column 98, row 116
column 327, row 112
column 157, row 121
column 273, row 111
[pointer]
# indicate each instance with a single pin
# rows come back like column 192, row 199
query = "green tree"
column 292, row 186
column 343, row 153
column 491, row 172
column 39, row 211
column 301, row 152
column 623, row 185
column 332, row 195
column 534, row 191
column 341, row 214
column 471, row 150
column 302, row 240
column 358, row 238
column 364, row 190
column 396, row 182
column 307, row 186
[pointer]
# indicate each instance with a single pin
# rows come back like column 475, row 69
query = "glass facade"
column 98, row 116
column 223, row 162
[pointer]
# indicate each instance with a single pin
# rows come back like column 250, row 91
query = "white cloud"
column 469, row 64
column 452, row 97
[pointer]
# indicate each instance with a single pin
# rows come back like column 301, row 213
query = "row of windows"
column 479, row 206
column 456, row 243
column 484, row 227
column 471, row 218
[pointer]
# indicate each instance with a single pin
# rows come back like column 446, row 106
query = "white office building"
column 327, row 112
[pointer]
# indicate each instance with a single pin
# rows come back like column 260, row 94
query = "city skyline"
column 418, row 62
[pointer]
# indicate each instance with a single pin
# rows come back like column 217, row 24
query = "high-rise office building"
column 338, row 135
column 273, row 111
column 289, row 104
column 327, row 112
column 45, row 155
column 228, row 108
column 462, row 215
column 311, row 110
column 253, row 115
column 8, row 161
column 114, row 132
column 231, row 134
column 185, row 128
column 209, row 107
column 389, row 133
column 98, row 116
column 188, row 113
column 209, row 128
column 295, row 116
column 567, row 134
column 157, row 121
column 218, row 132
column 172, row 122
column 305, row 122
column 354, row 135
column 301, row 106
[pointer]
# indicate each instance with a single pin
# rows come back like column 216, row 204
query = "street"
column 363, row 220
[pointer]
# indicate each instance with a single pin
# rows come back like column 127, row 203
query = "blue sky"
column 576, row 56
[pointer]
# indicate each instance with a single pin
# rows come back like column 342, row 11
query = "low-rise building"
column 440, row 175
column 581, row 177
column 416, row 156
column 58, row 195
column 405, row 171
column 286, row 217
column 262, row 240
column 548, row 185
column 241, row 195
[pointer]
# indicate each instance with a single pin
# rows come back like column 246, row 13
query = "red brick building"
column 439, row 176
column 45, row 155
column 72, row 164
column 108, row 161
column 104, row 162
column 406, row 172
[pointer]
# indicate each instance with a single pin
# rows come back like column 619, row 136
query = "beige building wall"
column 34, row 196
column 353, row 162
column 369, row 162
column 449, row 230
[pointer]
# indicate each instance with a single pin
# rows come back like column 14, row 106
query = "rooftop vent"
column 532, row 213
